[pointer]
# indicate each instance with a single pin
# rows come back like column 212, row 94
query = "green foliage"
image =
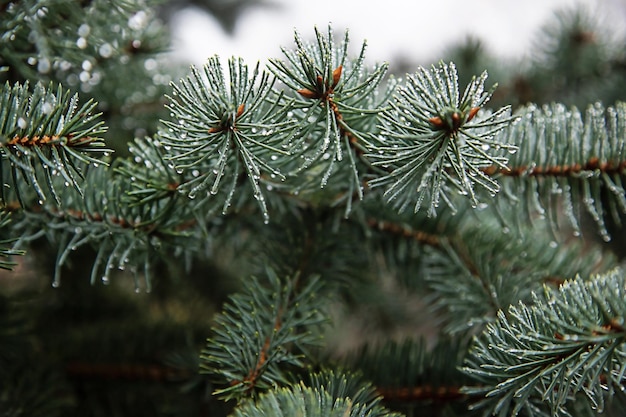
column 568, row 341
column 307, row 402
column 351, row 166
column 46, row 135
column 261, row 334
column 568, row 163
column 336, row 105
column 435, row 142
column 474, row 277
column 224, row 132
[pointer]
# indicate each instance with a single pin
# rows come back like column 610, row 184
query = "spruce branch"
column 478, row 273
column 337, row 104
column 436, row 141
column 300, row 400
column 568, row 341
column 226, row 129
column 261, row 333
column 125, row 235
column 345, row 384
column 567, row 159
column 152, row 177
column 44, row 135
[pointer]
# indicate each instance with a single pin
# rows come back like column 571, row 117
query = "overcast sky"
column 417, row 30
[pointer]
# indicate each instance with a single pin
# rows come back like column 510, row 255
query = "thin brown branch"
column 558, row 170
column 405, row 231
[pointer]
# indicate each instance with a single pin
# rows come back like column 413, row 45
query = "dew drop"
column 81, row 43
column 83, row 30
column 43, row 66
column 105, row 50
column 138, row 20
column 46, row 108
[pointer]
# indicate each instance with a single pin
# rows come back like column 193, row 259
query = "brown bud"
column 337, row 75
column 437, row 122
column 472, row 113
column 240, row 109
column 306, row 93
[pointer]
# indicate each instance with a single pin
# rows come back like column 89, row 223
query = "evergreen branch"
column 261, row 333
column 569, row 341
column 126, row 235
column 336, row 109
column 45, row 134
column 565, row 158
column 151, row 176
column 405, row 231
column 222, row 132
column 345, row 384
column 476, row 274
column 300, row 400
column 436, row 140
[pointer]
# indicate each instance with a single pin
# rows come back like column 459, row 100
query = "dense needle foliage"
column 310, row 236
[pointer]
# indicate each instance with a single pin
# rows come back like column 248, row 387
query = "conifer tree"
column 315, row 235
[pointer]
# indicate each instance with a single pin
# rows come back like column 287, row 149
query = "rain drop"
column 43, row 66
column 105, row 50
column 46, row 108
column 83, row 30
